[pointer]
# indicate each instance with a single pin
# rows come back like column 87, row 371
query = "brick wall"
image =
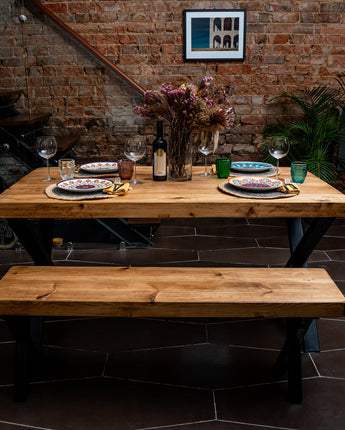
column 290, row 45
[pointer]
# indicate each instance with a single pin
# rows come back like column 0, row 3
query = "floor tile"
column 337, row 255
column 243, row 231
column 259, row 333
column 138, row 256
column 274, row 242
column 106, row 404
column 13, row 426
column 63, row 363
column 330, row 363
column 215, row 425
column 337, row 228
column 202, row 366
column 341, row 286
column 267, row 221
column 257, row 256
column 206, row 263
column 203, row 243
column 331, row 243
column 53, row 364
column 174, row 231
column 199, row 222
column 322, row 407
column 331, row 333
column 114, row 334
column 12, row 256
column 335, row 270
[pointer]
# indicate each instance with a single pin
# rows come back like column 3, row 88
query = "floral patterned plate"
column 255, row 183
column 84, row 185
column 250, row 166
column 100, row 167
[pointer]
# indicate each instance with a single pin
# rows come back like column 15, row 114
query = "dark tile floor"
column 192, row 374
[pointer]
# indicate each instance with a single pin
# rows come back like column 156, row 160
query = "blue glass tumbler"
column 298, row 171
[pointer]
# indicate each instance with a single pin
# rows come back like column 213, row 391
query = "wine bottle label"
column 159, row 163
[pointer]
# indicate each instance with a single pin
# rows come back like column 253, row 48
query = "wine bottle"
column 159, row 159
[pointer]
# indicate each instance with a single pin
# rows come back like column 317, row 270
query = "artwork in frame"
column 214, row 34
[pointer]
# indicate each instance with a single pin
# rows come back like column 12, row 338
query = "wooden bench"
column 298, row 294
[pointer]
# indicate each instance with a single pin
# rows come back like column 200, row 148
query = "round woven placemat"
column 273, row 194
column 269, row 172
column 54, row 192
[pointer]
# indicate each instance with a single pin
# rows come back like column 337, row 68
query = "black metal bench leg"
column 302, row 245
column 294, row 360
column 20, row 328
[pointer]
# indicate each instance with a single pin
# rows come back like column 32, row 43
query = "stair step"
column 24, row 119
column 5, row 94
column 66, row 142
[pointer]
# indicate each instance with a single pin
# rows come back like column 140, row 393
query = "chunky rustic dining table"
column 31, row 213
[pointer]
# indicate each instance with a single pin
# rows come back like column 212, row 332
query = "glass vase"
column 180, row 156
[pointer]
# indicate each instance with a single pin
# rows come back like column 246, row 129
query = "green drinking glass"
column 223, row 166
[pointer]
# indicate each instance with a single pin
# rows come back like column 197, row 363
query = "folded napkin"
column 289, row 189
column 117, row 189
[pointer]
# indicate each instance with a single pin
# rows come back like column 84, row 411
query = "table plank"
column 197, row 198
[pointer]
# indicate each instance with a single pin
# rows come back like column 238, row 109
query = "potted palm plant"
column 313, row 134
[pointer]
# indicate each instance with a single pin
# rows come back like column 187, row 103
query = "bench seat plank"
column 169, row 292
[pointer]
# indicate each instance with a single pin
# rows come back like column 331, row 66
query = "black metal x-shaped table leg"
column 298, row 330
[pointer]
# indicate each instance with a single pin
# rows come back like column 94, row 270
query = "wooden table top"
column 197, row 198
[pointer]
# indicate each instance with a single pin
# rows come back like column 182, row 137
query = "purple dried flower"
column 188, row 106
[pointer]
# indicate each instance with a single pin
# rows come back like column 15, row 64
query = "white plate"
column 84, row 185
column 100, row 167
column 250, row 166
column 256, row 183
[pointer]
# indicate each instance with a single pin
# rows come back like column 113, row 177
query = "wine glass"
column 206, row 147
column 278, row 147
column 47, row 147
column 135, row 149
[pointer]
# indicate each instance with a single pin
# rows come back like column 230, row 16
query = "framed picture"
column 214, row 34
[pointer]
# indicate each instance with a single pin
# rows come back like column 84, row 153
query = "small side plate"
column 84, row 185
column 250, row 166
column 255, row 183
column 100, row 167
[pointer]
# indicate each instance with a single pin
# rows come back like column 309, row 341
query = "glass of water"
column 66, row 168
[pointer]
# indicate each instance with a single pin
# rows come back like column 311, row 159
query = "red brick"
column 58, row 8
column 333, row 7
column 308, row 6
column 338, row 29
column 279, row 6
column 281, row 38
column 328, row 17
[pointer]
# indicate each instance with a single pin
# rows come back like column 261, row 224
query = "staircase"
column 19, row 131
